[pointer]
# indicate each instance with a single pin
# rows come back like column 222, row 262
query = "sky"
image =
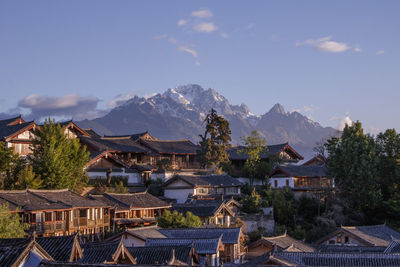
column 334, row 61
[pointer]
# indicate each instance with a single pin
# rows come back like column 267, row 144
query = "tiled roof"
column 91, row 133
column 349, row 249
column 394, row 247
column 27, row 201
column 171, row 146
column 284, row 242
column 8, row 130
column 200, row 207
column 301, row 170
column 6, row 122
column 338, row 259
column 144, row 167
column 127, row 145
column 140, row 232
column 235, row 153
column 162, row 255
column 134, row 137
column 31, row 200
column 378, row 235
column 136, row 200
column 60, row 248
column 67, row 197
column 229, row 235
column 202, row 245
column 99, row 252
column 206, row 180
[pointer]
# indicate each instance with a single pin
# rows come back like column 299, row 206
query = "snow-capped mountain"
column 179, row 113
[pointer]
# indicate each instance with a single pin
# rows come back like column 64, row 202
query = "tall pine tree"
column 215, row 141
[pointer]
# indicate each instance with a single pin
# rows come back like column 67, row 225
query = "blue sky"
column 329, row 60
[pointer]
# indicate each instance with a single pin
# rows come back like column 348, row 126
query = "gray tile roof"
column 59, row 247
column 162, row 255
column 171, row 146
column 284, row 242
column 99, row 252
column 349, row 249
column 394, row 247
column 229, row 235
column 134, row 137
column 207, row 180
column 202, row 245
column 200, row 207
column 123, row 144
column 141, row 232
column 301, row 170
column 136, row 200
column 339, row 259
column 7, row 130
column 235, row 153
column 31, row 200
column 9, row 254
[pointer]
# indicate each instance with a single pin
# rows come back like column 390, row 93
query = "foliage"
column 60, row 161
column 298, row 233
column 251, row 203
column 164, row 164
column 8, row 162
column 28, row 179
column 284, row 207
column 154, row 187
column 117, row 187
column 10, row 223
column 215, row 140
column 176, row 219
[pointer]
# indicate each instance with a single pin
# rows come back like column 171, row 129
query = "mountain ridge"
column 179, row 113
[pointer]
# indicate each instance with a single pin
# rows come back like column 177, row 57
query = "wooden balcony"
column 48, row 227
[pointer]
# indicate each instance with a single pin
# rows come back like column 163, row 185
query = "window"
column 346, row 239
column 59, row 216
column 83, row 213
column 331, row 242
column 339, row 239
column 275, row 183
column 47, row 216
column 287, row 182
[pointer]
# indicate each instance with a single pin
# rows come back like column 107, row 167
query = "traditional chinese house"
column 133, row 209
column 18, row 134
column 58, row 212
column 301, row 178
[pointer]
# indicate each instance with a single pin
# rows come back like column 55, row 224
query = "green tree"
column 215, row 140
column 251, row 203
column 353, row 163
column 176, row 219
column 254, row 147
column 192, row 220
column 60, row 161
column 8, row 163
column 27, row 178
column 10, row 223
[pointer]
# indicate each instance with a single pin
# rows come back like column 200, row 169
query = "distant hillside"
column 178, row 113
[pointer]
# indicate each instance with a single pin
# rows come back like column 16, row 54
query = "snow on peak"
column 278, row 108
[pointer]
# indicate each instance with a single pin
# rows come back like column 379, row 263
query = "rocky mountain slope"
column 178, row 113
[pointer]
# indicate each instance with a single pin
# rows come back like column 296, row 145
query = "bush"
column 176, row 219
column 251, row 203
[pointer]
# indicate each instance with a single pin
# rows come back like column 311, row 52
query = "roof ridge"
column 47, row 190
column 14, row 191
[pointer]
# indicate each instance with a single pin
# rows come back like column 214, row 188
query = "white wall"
column 281, row 182
column 164, row 176
column 133, row 178
column 247, row 180
column 179, row 194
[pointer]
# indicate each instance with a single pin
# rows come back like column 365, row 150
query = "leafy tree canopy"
column 10, row 223
column 176, row 219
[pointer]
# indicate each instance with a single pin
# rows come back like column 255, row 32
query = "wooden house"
column 18, row 134
column 182, row 187
column 232, row 240
column 58, row 212
column 301, row 178
column 136, row 237
column 133, row 209
column 276, row 243
column 183, row 154
column 361, row 236
column 211, row 211
column 284, row 152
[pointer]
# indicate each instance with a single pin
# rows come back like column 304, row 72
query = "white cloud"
column 357, row 50
column 202, row 13
column 206, row 27
column 380, row 52
column 325, row 44
column 345, row 120
column 181, row 22
column 224, row 35
column 120, row 99
column 188, row 50
column 72, row 105
column 197, row 63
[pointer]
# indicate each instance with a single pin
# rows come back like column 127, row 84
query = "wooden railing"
column 45, row 227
